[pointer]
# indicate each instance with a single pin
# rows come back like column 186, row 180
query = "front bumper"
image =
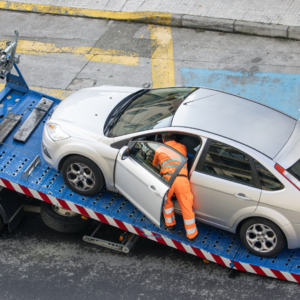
column 51, row 150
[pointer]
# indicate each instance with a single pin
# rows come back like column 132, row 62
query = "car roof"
column 256, row 125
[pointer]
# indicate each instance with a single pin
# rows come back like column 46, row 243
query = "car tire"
column 82, row 175
column 63, row 223
column 262, row 237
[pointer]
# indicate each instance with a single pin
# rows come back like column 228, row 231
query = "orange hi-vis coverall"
column 181, row 188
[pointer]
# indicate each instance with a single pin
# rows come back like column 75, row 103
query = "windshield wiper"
column 117, row 113
column 115, row 116
column 120, row 109
column 113, row 121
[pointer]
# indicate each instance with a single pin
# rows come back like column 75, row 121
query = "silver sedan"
column 243, row 156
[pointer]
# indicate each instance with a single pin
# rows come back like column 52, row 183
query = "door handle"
column 243, row 197
column 153, row 190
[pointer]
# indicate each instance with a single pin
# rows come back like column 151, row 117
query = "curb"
column 162, row 18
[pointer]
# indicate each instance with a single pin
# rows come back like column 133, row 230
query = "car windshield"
column 154, row 109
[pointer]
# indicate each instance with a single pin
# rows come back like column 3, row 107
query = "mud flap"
column 11, row 207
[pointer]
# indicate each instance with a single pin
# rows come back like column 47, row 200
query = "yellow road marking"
column 149, row 16
column 84, row 53
column 60, row 94
column 163, row 73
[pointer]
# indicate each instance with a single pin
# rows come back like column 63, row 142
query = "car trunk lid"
column 290, row 153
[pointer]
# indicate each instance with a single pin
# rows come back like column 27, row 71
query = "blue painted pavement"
column 279, row 90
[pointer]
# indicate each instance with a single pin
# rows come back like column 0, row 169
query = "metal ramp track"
column 47, row 185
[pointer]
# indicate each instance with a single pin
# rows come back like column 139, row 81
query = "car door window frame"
column 256, row 172
column 201, row 142
column 119, row 144
column 254, row 179
column 174, row 175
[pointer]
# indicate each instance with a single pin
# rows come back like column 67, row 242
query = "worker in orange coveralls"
column 181, row 187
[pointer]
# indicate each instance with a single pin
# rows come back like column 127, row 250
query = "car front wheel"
column 82, row 175
column 262, row 237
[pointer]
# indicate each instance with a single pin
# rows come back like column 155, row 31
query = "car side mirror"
column 126, row 150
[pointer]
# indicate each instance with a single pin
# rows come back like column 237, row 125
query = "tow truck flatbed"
column 46, row 184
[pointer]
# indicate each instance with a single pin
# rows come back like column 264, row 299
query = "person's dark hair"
column 168, row 137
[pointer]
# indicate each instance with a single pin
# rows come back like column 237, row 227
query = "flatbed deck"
column 46, row 184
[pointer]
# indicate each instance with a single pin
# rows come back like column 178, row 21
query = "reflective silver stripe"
column 169, row 210
column 171, row 166
column 170, row 160
column 190, row 231
column 174, row 166
column 170, row 220
column 189, row 222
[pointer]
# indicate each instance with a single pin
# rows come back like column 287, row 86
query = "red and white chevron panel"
column 267, row 272
column 150, row 235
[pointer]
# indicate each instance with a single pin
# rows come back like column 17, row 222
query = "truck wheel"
column 262, row 237
column 63, row 220
column 82, row 175
column 1, row 223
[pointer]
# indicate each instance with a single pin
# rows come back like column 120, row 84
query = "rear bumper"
column 292, row 232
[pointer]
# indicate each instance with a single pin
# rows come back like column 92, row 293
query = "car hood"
column 83, row 114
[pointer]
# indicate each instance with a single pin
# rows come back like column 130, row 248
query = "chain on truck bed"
column 46, row 184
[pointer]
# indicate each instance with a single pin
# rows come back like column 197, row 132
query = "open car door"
column 140, row 181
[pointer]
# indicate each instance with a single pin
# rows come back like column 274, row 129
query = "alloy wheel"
column 261, row 238
column 81, row 176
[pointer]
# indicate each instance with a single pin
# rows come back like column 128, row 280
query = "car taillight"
column 288, row 176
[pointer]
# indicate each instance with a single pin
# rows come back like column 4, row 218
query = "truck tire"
column 1, row 223
column 63, row 223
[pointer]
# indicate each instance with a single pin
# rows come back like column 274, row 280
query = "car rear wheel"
column 82, row 175
column 262, row 237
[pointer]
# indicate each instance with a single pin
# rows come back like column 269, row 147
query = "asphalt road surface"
column 62, row 54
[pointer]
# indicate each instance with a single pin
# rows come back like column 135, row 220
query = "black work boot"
column 193, row 239
column 169, row 228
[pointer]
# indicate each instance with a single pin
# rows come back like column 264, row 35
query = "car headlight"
column 56, row 133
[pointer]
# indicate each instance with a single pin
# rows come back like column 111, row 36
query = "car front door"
column 223, row 185
column 140, row 181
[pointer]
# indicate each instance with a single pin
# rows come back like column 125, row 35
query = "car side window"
column 158, row 159
column 228, row 163
column 267, row 180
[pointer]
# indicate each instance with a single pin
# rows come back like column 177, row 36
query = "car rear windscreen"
column 295, row 170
